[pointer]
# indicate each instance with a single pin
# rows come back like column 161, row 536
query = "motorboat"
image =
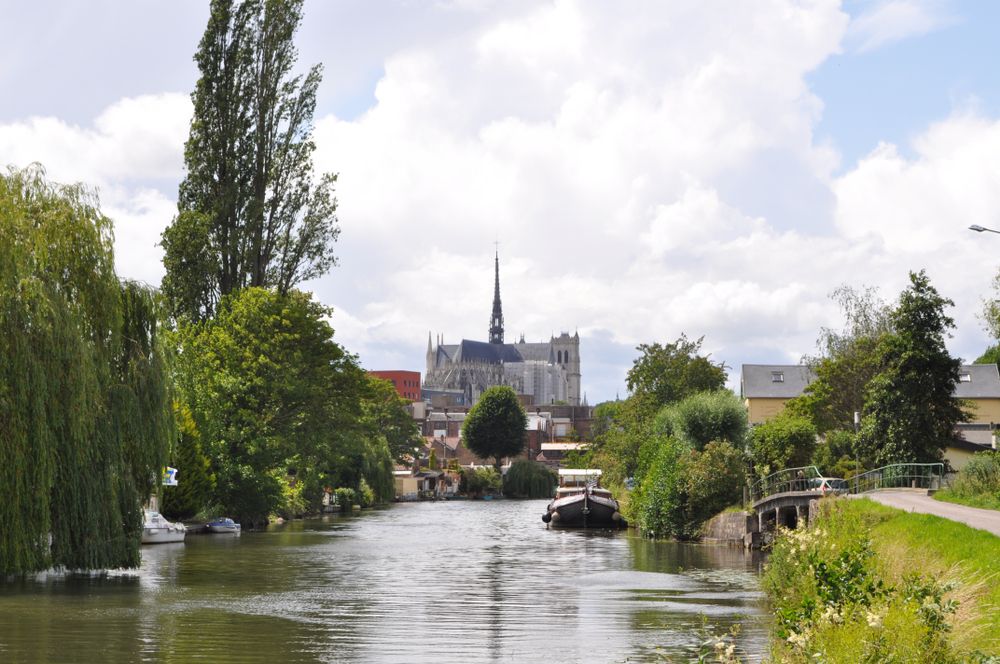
column 157, row 530
column 584, row 507
column 223, row 525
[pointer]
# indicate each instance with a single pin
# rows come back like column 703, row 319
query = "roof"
column 983, row 382
column 957, row 443
column 775, row 381
column 540, row 352
column 481, row 351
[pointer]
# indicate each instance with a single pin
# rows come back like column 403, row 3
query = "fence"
column 789, row 479
column 899, row 476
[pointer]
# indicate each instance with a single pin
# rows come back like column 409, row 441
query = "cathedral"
column 547, row 372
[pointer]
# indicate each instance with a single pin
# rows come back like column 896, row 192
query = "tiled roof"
column 775, row 381
column 983, row 382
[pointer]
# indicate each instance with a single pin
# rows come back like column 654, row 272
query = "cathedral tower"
column 496, row 320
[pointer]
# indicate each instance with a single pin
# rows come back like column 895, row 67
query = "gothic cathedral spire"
column 496, row 320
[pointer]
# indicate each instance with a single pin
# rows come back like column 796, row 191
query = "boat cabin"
column 579, row 477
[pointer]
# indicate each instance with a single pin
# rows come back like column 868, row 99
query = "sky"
column 648, row 169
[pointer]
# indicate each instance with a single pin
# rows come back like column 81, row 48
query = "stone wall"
column 729, row 527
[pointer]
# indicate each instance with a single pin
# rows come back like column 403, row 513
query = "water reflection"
column 441, row 582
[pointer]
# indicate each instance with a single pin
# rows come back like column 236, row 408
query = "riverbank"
column 871, row 583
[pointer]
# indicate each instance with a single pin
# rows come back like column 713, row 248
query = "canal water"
column 419, row 582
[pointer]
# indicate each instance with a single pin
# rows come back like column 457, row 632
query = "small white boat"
column 157, row 530
column 224, row 525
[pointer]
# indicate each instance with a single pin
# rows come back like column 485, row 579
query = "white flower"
column 874, row 620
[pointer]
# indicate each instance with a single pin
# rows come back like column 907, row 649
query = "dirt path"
column 916, row 501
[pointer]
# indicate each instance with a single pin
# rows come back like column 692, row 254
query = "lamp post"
column 980, row 229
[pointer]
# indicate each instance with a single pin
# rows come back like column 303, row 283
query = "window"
column 777, row 376
column 965, row 378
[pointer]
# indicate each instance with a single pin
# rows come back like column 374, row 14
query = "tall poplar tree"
column 910, row 412
column 250, row 211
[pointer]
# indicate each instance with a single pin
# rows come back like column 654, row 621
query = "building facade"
column 407, row 383
column 548, row 372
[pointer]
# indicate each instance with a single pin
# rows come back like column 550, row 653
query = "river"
column 419, row 582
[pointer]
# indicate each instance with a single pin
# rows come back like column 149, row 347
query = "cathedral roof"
column 541, row 352
column 480, row 351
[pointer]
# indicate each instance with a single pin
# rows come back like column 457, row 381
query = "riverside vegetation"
column 867, row 583
column 977, row 484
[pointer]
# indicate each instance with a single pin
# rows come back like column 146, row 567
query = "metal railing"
column 899, row 476
column 789, row 479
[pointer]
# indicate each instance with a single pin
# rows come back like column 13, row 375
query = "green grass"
column 862, row 561
column 983, row 501
column 941, row 548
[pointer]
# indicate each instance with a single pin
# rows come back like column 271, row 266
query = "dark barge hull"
column 584, row 510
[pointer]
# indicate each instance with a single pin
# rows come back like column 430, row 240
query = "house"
column 765, row 388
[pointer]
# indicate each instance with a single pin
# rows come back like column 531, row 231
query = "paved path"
column 919, row 501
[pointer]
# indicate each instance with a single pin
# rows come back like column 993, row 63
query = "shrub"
column 477, row 481
column 787, row 441
column 529, row 479
column 709, row 416
column 366, row 496
column 980, row 476
column 345, row 498
column 682, row 488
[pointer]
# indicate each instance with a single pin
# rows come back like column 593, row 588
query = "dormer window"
column 777, row 376
column 965, row 377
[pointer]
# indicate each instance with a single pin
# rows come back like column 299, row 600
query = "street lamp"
column 980, row 229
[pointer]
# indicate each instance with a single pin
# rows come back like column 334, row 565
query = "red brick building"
column 407, row 383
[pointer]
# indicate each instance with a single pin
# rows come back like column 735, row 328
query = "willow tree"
column 85, row 419
column 250, row 211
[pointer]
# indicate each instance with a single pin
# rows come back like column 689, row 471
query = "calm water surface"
column 419, row 582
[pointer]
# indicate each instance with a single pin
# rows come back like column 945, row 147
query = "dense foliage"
column 667, row 373
column 384, row 411
column 495, row 425
column 910, row 411
column 529, row 479
column 250, row 212
column 279, row 404
column 704, row 417
column 85, row 414
column 196, row 482
column 480, row 481
column 786, row 441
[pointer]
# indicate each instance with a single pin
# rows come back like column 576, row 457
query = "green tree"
column 705, row 417
column 85, row 419
column 529, row 479
column 273, row 394
column 786, row 441
column 847, row 362
column 495, row 425
column 249, row 211
column 910, row 411
column 667, row 373
column 196, row 482
column 990, row 356
column 385, row 413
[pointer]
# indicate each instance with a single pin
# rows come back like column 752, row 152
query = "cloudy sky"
column 649, row 169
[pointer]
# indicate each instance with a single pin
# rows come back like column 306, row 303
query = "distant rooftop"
column 774, row 381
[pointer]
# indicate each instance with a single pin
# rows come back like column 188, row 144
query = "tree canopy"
column 274, row 398
column 667, row 373
column 85, row 414
column 249, row 212
column 910, row 411
column 495, row 425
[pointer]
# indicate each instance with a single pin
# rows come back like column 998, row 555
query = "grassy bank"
column 982, row 501
column 868, row 583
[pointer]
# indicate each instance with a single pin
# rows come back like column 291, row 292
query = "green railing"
column 899, row 476
column 783, row 481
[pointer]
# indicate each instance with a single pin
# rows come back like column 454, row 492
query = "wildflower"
column 874, row 620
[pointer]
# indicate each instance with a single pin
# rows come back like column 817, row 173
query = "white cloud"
column 600, row 148
column 890, row 21
column 132, row 145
